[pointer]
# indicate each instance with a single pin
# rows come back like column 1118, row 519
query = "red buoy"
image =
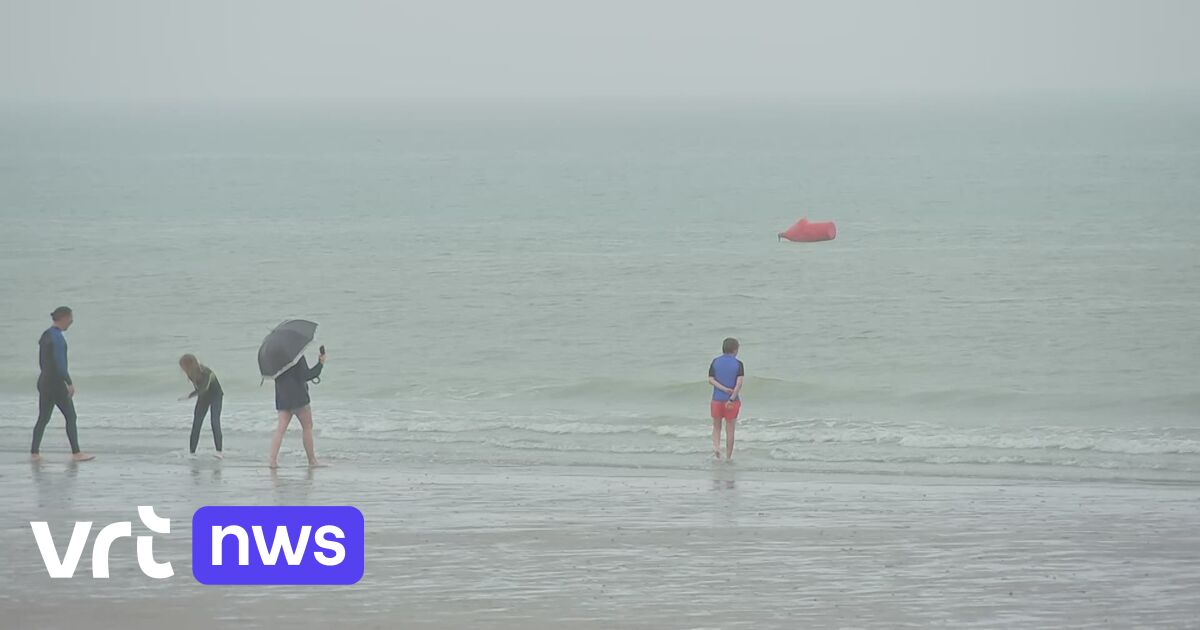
column 804, row 232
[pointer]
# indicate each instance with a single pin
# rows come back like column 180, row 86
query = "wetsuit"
column 291, row 387
column 208, row 395
column 52, row 388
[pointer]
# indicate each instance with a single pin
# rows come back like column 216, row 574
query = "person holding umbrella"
column 281, row 357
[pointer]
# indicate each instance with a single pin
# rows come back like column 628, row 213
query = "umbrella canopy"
column 283, row 347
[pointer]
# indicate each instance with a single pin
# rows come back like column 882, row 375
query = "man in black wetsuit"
column 55, row 388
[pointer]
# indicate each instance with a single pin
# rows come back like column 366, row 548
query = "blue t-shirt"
column 726, row 369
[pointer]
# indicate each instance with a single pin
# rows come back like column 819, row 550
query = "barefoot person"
column 206, row 389
column 55, row 388
column 291, row 399
column 725, row 374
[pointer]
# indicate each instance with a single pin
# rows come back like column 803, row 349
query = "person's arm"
column 712, row 379
column 198, row 389
column 60, row 357
column 737, row 388
column 206, row 376
column 315, row 371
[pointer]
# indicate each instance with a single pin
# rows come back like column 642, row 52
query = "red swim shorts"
column 721, row 409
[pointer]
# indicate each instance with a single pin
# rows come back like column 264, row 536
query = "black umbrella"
column 284, row 346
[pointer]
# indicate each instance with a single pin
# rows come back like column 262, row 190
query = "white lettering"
column 338, row 549
column 145, row 544
column 283, row 541
column 66, row 567
column 218, row 536
column 102, row 546
column 103, row 543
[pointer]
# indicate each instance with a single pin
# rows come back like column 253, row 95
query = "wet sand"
column 600, row 548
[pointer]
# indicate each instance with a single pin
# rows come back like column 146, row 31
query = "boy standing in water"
column 725, row 374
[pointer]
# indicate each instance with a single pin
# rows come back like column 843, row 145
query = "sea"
column 1012, row 291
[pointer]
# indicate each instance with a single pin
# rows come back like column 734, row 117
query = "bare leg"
column 285, row 418
column 717, row 438
column 729, row 425
column 305, row 416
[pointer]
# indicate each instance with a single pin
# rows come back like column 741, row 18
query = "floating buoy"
column 804, row 232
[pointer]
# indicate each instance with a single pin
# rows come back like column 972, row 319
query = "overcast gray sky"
column 448, row 49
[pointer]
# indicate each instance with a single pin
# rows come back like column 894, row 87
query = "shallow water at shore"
column 511, row 547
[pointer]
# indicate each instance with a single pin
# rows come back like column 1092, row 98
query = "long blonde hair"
column 191, row 366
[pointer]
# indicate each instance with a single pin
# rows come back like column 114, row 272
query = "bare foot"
column 82, row 457
column 315, row 464
column 717, row 455
column 219, row 455
column 35, row 458
column 272, row 465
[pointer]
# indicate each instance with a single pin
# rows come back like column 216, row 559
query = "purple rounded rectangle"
column 255, row 544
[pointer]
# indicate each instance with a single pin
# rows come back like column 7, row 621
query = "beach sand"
column 546, row 547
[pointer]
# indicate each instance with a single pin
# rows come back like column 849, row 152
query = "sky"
column 348, row 50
